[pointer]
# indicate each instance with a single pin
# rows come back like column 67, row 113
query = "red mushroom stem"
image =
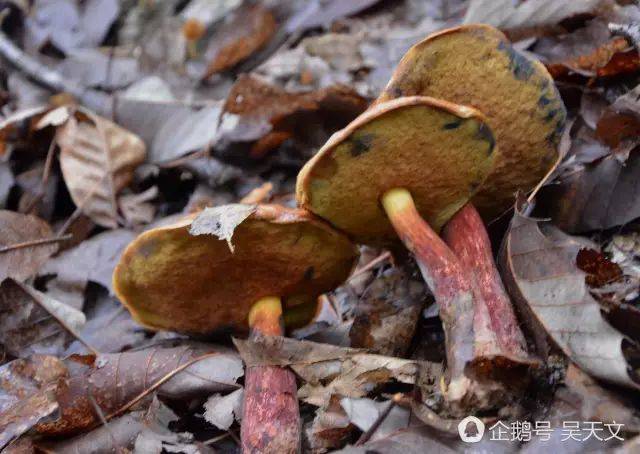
column 271, row 418
column 445, row 276
column 497, row 334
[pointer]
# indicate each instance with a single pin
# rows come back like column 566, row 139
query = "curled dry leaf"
column 112, row 380
column 97, row 159
column 31, row 322
column 599, row 62
column 256, row 101
column 12, row 130
column 27, row 394
column 539, row 263
column 249, row 29
column 17, row 231
column 221, row 221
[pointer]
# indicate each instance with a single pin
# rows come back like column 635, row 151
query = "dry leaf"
column 363, row 413
column 33, row 323
column 136, row 209
column 329, row 370
column 16, row 229
column 92, row 260
column 119, row 433
column 221, row 221
column 256, row 102
column 507, row 14
column 249, row 29
column 221, row 411
column 542, row 277
column 600, row 196
column 97, row 159
column 27, row 394
column 112, row 380
column 387, row 313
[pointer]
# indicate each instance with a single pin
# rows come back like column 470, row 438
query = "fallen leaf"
column 27, row 394
column 32, row 323
column 329, row 370
column 508, row 15
column 330, row 427
column 136, row 209
column 221, row 221
column 96, row 69
column 118, row 434
column 318, row 13
column 387, row 313
column 255, row 101
column 248, row 29
column 17, row 230
column 542, row 278
column 112, row 380
column 209, row 11
column 97, row 158
column 156, row 437
column 221, row 411
column 599, row 196
column 593, row 63
column 92, row 260
column 364, row 413
column 599, row 269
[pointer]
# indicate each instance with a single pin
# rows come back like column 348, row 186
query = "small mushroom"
column 401, row 170
column 282, row 259
column 476, row 65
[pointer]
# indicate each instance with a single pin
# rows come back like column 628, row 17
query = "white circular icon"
column 468, row 434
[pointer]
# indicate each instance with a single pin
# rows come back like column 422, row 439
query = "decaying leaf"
column 249, row 29
column 97, row 159
column 136, row 209
column 112, row 380
column 598, row 62
column 329, row 370
column 27, row 394
column 542, row 277
column 221, row 221
column 12, row 127
column 33, row 323
column 221, row 411
column 318, row 13
column 600, row 196
column 21, row 261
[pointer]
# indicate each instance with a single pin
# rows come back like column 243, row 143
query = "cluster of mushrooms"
column 464, row 124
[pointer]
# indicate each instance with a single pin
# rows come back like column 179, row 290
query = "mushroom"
column 401, row 170
column 475, row 65
column 238, row 268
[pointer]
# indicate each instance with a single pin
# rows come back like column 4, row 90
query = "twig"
column 234, row 436
column 32, row 243
column 381, row 417
column 372, row 264
column 214, row 440
column 103, row 420
column 42, row 75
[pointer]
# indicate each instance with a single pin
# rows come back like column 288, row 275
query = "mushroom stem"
column 498, row 336
column 271, row 419
column 445, row 276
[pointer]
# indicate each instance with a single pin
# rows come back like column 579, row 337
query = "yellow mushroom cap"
column 171, row 279
column 475, row 65
column 440, row 152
